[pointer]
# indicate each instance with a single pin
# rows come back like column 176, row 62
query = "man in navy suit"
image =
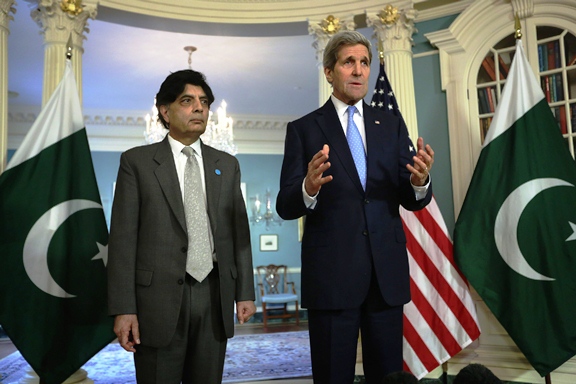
column 177, row 325
column 354, row 264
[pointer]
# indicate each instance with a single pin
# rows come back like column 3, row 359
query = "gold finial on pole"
column 380, row 51
column 69, row 48
column 517, row 27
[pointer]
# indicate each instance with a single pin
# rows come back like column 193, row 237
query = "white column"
column 6, row 8
column 57, row 27
column 393, row 29
column 322, row 32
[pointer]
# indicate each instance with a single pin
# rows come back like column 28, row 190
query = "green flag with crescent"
column 53, row 242
column 515, row 237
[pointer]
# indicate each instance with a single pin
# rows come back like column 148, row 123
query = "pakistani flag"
column 515, row 238
column 53, row 243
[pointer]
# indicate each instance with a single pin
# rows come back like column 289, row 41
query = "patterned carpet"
column 248, row 358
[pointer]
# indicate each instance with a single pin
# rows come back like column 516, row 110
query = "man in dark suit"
column 354, row 263
column 177, row 324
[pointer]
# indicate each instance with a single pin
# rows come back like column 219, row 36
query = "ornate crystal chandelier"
column 219, row 134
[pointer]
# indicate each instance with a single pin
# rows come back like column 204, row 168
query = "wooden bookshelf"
column 490, row 82
column 556, row 64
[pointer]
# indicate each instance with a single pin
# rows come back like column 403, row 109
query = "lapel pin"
column 377, row 122
column 217, row 171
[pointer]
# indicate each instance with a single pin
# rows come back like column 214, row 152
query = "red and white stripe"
column 441, row 319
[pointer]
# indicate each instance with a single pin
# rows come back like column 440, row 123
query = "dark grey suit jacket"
column 148, row 240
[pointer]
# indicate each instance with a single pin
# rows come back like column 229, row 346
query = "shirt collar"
column 342, row 107
column 177, row 146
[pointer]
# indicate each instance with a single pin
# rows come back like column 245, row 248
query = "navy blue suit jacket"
column 351, row 232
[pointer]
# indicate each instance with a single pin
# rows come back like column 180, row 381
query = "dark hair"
column 175, row 84
column 476, row 374
column 400, row 377
column 340, row 39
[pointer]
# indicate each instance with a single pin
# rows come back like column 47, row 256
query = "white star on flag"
column 102, row 253
column 573, row 235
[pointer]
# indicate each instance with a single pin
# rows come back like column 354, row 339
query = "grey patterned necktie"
column 199, row 261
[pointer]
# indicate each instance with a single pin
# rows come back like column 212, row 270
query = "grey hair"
column 340, row 39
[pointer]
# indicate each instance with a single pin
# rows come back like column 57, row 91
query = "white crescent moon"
column 506, row 225
column 35, row 253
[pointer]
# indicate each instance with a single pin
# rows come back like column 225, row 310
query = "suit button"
column 180, row 281
column 365, row 233
column 184, row 250
column 366, row 201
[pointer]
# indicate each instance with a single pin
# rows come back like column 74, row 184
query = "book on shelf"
column 552, row 80
column 504, row 67
column 553, row 51
column 484, row 126
column 491, row 96
column 549, row 56
column 483, row 101
column 573, row 117
column 560, row 114
column 542, row 57
column 552, row 86
column 559, row 89
column 490, row 68
column 545, row 83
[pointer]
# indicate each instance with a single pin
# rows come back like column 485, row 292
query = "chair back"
column 273, row 278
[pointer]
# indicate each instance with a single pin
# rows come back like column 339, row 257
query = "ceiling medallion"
column 71, row 7
column 389, row 15
column 331, row 25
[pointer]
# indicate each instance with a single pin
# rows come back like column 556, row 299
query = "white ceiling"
column 264, row 70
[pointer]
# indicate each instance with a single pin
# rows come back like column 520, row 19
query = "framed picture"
column 268, row 243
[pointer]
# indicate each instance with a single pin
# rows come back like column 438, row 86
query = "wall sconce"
column 269, row 218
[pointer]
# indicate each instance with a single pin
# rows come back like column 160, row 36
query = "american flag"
column 441, row 319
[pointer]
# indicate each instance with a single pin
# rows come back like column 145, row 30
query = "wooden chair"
column 276, row 292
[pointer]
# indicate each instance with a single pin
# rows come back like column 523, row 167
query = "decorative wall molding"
column 118, row 131
column 254, row 17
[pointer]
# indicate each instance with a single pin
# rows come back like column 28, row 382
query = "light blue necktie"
column 356, row 146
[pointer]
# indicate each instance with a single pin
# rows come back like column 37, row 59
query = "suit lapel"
column 168, row 180
column 330, row 123
column 213, row 178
